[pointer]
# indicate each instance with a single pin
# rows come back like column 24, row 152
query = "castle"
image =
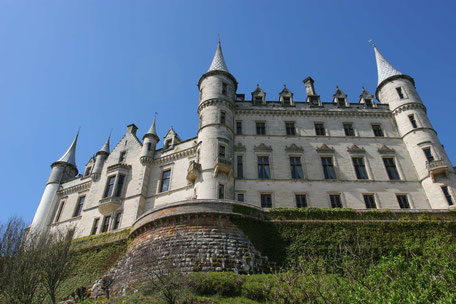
column 282, row 153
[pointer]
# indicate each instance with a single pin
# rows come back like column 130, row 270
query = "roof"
column 218, row 63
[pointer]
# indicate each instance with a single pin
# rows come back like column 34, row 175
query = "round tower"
column 150, row 142
column 63, row 169
column 215, row 134
column 100, row 159
column 431, row 162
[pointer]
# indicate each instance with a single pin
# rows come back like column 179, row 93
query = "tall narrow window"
column 106, row 222
column 301, row 201
column 447, row 194
column 260, row 128
column 368, row 103
column 221, row 191
column 109, row 186
column 377, row 129
column 290, row 128
column 403, row 201
column 360, row 168
column 95, row 226
column 87, row 171
column 413, row 121
column 240, row 197
column 348, row 128
column 238, row 127
column 428, row 154
column 335, row 201
column 164, row 184
column 222, row 151
column 266, row 200
column 120, row 183
column 400, row 93
column 222, row 117
column 116, row 223
column 320, row 129
column 263, row 167
column 59, row 211
column 224, row 89
column 391, row 169
column 240, row 167
column 149, row 146
column 369, row 200
column 79, row 205
column 296, row 167
column 122, row 156
column 328, row 168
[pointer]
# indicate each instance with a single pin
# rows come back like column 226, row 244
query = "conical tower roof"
column 218, row 63
column 153, row 129
column 384, row 68
column 105, row 147
column 70, row 155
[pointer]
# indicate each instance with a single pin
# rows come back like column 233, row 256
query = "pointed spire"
column 153, row 129
column 70, row 154
column 105, row 147
column 218, row 63
column 384, row 68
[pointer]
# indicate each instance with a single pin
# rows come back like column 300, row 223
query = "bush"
column 258, row 287
column 221, row 283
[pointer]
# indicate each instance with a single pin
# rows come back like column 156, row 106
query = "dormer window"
column 224, row 89
column 258, row 100
column 314, row 100
column 286, row 100
column 168, row 143
column 258, row 96
column 341, row 102
column 368, row 103
column 87, row 171
column 122, row 156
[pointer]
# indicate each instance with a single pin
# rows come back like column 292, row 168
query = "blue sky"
column 99, row 65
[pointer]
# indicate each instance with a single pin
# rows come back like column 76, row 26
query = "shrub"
column 221, row 283
column 258, row 287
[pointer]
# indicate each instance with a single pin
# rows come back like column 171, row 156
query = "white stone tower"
column 215, row 134
column 100, row 159
column 433, row 167
column 63, row 169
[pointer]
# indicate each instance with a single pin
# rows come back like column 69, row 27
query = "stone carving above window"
column 239, row 147
column 355, row 149
column 294, row 148
column 262, row 148
column 325, row 149
column 385, row 149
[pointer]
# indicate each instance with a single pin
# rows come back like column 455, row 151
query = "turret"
column 431, row 162
column 100, row 159
column 63, row 169
column 215, row 135
column 150, row 142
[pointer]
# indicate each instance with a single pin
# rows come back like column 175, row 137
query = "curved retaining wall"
column 188, row 236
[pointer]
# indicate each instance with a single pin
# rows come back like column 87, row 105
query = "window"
column 109, row 186
column 286, row 100
column 222, row 117
column 106, row 222
column 290, row 128
column 266, row 201
column 335, row 201
column 348, row 128
column 224, row 89
column 260, row 128
column 122, row 156
column 149, row 146
column 447, row 195
column 258, row 100
column 120, row 183
column 391, row 169
column 320, row 129
column 403, row 201
column 296, row 168
column 413, row 121
column 238, row 127
column 369, row 200
column 168, row 144
column 301, row 201
column 116, row 223
column 341, row 102
column 222, row 150
column 314, row 100
column 59, row 211
column 240, row 197
column 164, row 184
column 95, row 226
column 221, row 191
column 240, row 167
column 378, row 132
column 263, row 167
column 79, row 205
column 428, row 154
column 87, row 171
column 328, row 168
column 360, row 168
column 400, row 93
column 368, row 103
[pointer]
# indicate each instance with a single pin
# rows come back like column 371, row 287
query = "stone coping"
column 200, row 206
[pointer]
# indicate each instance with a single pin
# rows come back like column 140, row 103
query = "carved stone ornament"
column 325, row 148
column 239, row 147
column 385, row 149
column 294, row 148
column 355, row 149
column 262, row 148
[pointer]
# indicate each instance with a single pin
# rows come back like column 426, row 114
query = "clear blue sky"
column 105, row 64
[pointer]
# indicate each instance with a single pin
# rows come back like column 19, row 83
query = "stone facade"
column 265, row 153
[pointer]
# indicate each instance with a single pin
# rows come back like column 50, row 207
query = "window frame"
column 260, row 127
column 221, row 191
column 373, row 200
column 117, row 220
column 363, row 165
column 296, row 167
column 222, row 117
column 106, row 224
column 299, row 202
column 122, row 156
column 429, row 158
column 240, row 166
column 447, row 194
column 238, row 195
column 263, row 171
column 290, row 128
column 319, row 129
column 59, row 211
column 326, row 175
column 333, row 204
column 350, row 129
column 224, row 88
column 413, row 121
column 377, row 132
column 162, row 179
column 78, row 207
column 238, row 127
column 266, row 204
column 395, row 168
column 95, row 223
column 403, row 195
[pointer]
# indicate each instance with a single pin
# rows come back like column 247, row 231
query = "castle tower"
column 433, row 167
column 150, row 142
column 100, row 159
column 215, row 134
column 63, row 169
